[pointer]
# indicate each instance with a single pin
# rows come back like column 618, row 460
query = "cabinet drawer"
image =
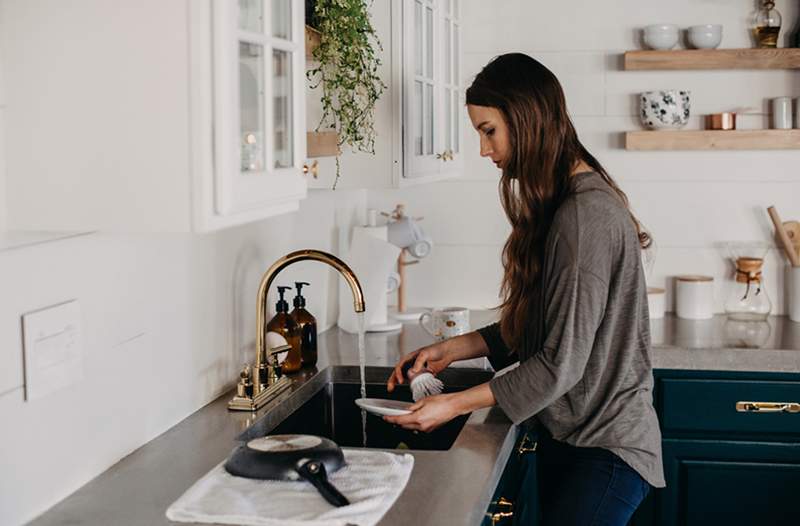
column 693, row 406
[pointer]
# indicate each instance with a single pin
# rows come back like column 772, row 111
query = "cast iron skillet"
column 290, row 457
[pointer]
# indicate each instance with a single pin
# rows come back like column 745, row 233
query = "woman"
column 574, row 312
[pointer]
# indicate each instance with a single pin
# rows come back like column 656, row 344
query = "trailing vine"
column 347, row 72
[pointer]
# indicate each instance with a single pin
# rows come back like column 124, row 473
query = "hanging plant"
column 347, row 72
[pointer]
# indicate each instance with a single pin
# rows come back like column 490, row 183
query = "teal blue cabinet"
column 515, row 502
column 724, row 466
column 729, row 482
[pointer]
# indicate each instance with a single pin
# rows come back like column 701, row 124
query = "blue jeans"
column 583, row 486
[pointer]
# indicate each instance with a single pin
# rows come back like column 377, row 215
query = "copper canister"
column 721, row 121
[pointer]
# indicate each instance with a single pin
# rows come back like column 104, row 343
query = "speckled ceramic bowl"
column 664, row 109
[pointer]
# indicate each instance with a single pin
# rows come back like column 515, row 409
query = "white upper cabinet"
column 153, row 115
column 419, row 118
column 259, row 110
column 432, row 94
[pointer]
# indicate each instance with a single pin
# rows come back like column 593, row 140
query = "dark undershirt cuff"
column 500, row 356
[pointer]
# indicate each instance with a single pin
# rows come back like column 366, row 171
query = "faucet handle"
column 244, row 388
column 275, row 351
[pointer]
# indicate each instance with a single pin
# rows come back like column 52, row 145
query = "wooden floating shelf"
column 775, row 58
column 322, row 144
column 713, row 140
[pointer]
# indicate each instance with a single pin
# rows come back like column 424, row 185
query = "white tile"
column 3, row 198
column 581, row 75
column 455, row 213
column 584, row 25
column 466, row 276
column 711, row 91
column 688, row 214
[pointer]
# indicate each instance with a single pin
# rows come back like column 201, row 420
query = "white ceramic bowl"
column 661, row 36
column 708, row 36
column 664, row 109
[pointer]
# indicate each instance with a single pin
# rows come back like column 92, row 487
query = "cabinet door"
column 259, row 107
column 731, row 483
column 515, row 499
column 453, row 100
column 422, row 87
column 432, row 95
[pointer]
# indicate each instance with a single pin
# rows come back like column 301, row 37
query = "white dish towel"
column 371, row 481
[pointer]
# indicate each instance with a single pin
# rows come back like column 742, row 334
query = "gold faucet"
column 267, row 358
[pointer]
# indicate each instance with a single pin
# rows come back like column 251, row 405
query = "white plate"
column 380, row 406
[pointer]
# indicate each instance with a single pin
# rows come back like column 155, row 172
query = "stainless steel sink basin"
column 324, row 406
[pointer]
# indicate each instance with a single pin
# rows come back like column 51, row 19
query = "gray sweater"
column 585, row 372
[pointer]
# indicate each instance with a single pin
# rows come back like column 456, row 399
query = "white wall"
column 167, row 321
column 2, row 141
column 691, row 201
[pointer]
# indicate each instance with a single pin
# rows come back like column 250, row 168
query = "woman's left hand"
column 429, row 413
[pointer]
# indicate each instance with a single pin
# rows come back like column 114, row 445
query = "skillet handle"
column 314, row 472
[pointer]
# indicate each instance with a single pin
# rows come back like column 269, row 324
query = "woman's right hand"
column 435, row 356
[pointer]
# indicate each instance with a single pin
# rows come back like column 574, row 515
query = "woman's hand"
column 435, row 357
column 429, row 413
column 433, row 411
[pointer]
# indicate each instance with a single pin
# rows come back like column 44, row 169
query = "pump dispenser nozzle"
column 299, row 300
column 282, row 305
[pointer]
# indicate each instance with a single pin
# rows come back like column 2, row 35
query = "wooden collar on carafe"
column 748, row 270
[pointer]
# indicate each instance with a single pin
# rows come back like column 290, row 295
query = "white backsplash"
column 690, row 201
column 168, row 320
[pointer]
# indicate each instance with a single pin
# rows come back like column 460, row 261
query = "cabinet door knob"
column 446, row 155
column 501, row 509
column 768, row 407
column 526, row 445
column 314, row 169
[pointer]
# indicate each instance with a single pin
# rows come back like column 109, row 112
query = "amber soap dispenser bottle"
column 283, row 324
column 308, row 327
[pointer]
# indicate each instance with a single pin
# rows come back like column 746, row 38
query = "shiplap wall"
column 691, row 201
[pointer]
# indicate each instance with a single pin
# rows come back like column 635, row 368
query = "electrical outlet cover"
column 53, row 349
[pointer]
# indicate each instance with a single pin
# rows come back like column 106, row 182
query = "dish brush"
column 423, row 383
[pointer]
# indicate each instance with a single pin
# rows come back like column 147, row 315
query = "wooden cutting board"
column 793, row 230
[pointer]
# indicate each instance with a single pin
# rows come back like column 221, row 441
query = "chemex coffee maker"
column 747, row 299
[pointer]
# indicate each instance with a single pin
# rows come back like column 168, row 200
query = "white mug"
column 406, row 233
column 446, row 322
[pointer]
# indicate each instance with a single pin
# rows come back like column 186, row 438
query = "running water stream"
column 362, row 362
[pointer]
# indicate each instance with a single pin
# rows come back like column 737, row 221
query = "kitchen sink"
column 324, row 406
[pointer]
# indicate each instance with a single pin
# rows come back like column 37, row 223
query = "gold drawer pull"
column 768, row 407
column 497, row 516
column 526, row 446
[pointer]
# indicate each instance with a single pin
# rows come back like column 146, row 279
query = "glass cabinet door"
column 433, row 100
column 258, row 67
column 423, row 81
column 453, row 104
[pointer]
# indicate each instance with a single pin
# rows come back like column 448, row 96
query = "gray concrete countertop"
column 454, row 486
column 720, row 344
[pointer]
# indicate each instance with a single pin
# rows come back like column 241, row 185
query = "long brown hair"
column 537, row 176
